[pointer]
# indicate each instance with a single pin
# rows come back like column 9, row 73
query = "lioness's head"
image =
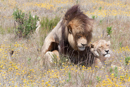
column 78, row 30
column 101, row 48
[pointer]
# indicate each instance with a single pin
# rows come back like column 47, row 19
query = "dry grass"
column 22, row 68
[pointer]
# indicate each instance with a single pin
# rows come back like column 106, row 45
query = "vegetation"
column 49, row 24
column 93, row 17
column 109, row 30
column 127, row 60
column 26, row 23
column 19, row 58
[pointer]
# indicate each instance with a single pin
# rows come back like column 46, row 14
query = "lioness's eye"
column 100, row 47
column 107, row 45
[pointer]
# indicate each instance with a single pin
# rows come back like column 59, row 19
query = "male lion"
column 73, row 32
column 102, row 53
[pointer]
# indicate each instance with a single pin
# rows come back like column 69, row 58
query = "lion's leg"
column 47, row 44
column 56, row 53
column 50, row 57
column 46, row 47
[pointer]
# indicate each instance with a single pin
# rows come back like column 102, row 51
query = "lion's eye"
column 78, row 36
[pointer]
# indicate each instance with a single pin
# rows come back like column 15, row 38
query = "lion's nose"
column 106, row 51
column 83, row 44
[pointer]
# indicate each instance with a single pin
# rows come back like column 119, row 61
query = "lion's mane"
column 80, row 23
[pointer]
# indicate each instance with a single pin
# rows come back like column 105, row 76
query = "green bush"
column 100, row 8
column 98, row 78
column 109, row 30
column 93, row 17
column 116, row 72
column 26, row 23
column 127, row 59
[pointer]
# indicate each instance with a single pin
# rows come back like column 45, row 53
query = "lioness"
column 102, row 53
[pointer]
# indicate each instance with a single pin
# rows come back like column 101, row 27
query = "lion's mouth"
column 81, row 48
column 106, row 55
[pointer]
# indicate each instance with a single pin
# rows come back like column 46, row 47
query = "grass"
column 47, row 24
column 2, row 30
column 21, row 68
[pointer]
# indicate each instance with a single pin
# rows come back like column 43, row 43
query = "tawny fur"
column 50, row 57
column 103, row 58
column 102, row 52
column 73, row 31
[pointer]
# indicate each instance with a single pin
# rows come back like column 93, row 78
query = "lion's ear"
column 69, row 29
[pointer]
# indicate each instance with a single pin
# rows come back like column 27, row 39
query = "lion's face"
column 77, row 42
column 78, row 37
column 101, row 48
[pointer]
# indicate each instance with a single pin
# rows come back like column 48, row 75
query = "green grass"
column 2, row 31
column 24, row 69
column 49, row 23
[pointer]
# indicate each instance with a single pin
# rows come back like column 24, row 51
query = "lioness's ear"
column 69, row 29
column 92, row 46
column 109, row 43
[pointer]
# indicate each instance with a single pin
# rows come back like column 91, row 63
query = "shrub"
column 98, row 78
column 69, row 77
column 100, row 8
column 93, row 17
column 127, row 59
column 26, row 23
column 110, row 70
column 120, row 44
column 109, row 30
column 116, row 72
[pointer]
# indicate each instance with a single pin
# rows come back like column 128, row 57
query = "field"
column 19, row 57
